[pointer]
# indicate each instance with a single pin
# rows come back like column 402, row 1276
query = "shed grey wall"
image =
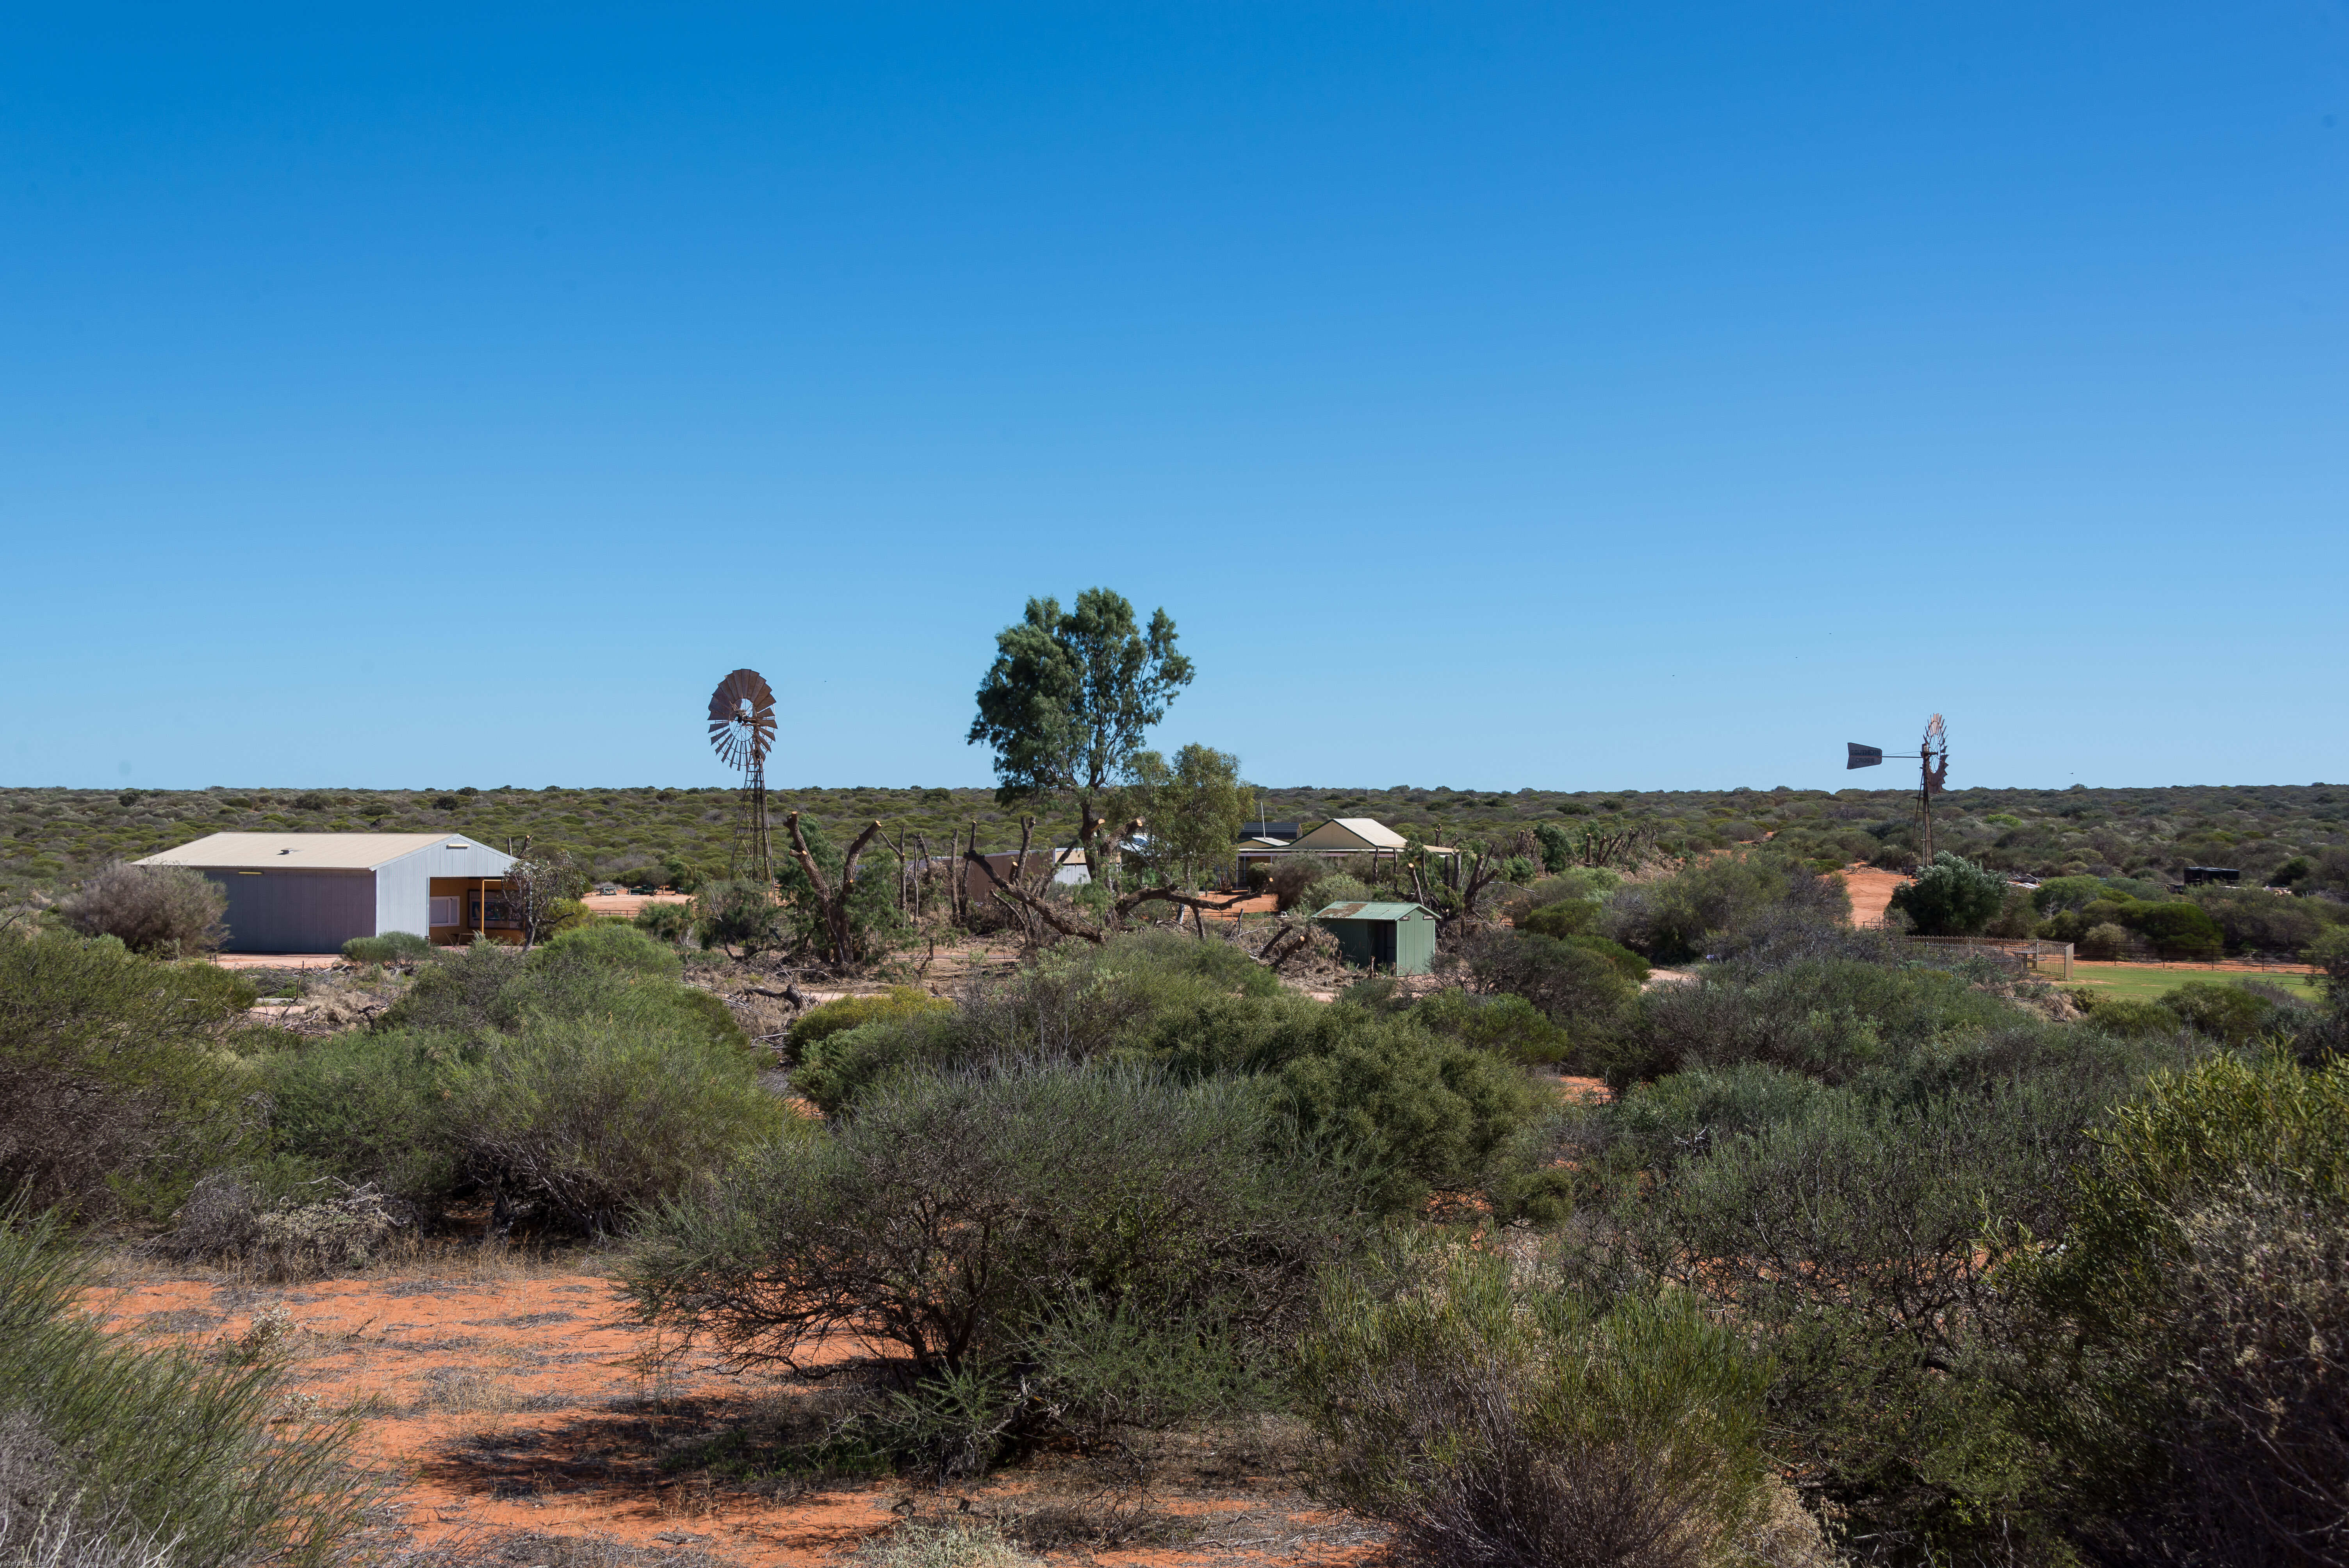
column 296, row 911
column 403, row 888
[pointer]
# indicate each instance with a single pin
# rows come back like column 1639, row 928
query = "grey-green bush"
column 1711, row 901
column 169, row 910
column 1848, row 1238
column 2190, row 1373
column 974, row 1223
column 590, row 1120
column 113, row 1091
column 1500, row 1425
column 127, row 1445
column 608, row 969
column 392, row 947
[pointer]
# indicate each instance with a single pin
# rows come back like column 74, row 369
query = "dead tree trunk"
column 833, row 900
column 1034, row 910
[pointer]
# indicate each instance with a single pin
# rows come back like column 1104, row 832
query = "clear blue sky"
column 1639, row 396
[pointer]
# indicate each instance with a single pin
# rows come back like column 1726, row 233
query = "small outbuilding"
column 1399, row 938
column 311, row 893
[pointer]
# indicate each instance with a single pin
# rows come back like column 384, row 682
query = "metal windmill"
column 741, row 731
column 1932, row 755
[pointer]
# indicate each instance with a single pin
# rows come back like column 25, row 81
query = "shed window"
column 447, row 910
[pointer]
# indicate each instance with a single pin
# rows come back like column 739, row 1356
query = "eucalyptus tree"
column 1069, row 698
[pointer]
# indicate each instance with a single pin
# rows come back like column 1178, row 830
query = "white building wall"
column 403, row 888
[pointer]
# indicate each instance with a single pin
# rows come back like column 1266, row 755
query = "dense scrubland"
column 1870, row 1257
column 50, row 839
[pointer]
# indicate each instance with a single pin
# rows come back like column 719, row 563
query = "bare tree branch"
column 834, row 900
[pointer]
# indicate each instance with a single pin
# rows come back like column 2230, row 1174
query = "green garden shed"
column 1397, row 937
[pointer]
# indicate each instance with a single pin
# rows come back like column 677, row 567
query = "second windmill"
column 1932, row 773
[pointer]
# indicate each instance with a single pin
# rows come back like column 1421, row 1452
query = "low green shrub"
column 164, row 910
column 213, row 991
column 1336, row 887
column 607, row 969
column 392, row 947
column 1566, row 918
column 1492, row 1424
column 666, row 921
column 586, row 1119
column 740, row 918
column 1832, row 1017
column 2192, row 1379
column 1509, row 1026
column 612, row 945
column 2105, row 941
column 1403, row 1108
column 821, row 1023
column 598, row 1119
column 1294, row 873
column 1048, row 1248
column 1709, row 903
column 2176, row 930
column 1077, row 1002
column 2228, row 1014
column 121, row 1445
column 1951, row 897
column 2254, row 921
column 1578, row 982
column 1857, row 1236
column 368, row 1107
column 114, row 1091
column 2130, row 1017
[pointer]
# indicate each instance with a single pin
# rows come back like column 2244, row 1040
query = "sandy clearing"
column 627, row 904
column 1871, row 891
column 519, row 1399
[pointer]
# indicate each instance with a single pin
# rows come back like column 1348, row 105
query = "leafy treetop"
column 1070, row 697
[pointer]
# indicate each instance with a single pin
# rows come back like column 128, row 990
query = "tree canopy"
column 1070, row 697
column 1192, row 809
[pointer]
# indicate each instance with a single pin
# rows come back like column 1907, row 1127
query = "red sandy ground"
column 503, row 1398
column 627, row 904
column 1871, row 891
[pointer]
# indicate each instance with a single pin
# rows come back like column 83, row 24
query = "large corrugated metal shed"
column 305, row 851
column 310, row 893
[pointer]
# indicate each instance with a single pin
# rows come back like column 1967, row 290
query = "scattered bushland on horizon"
column 50, row 839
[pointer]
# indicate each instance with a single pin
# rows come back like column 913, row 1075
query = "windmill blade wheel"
column 742, row 719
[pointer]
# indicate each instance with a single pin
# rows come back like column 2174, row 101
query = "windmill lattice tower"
column 1933, row 776
column 742, row 731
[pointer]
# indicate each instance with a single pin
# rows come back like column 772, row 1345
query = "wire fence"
column 2026, row 952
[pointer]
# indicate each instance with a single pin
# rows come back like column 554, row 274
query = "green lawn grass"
column 2146, row 985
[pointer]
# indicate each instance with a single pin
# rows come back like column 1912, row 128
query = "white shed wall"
column 403, row 888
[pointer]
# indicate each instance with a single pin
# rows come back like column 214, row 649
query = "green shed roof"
column 1375, row 911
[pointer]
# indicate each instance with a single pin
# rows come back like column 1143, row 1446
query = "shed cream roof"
column 1351, row 833
column 307, row 852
